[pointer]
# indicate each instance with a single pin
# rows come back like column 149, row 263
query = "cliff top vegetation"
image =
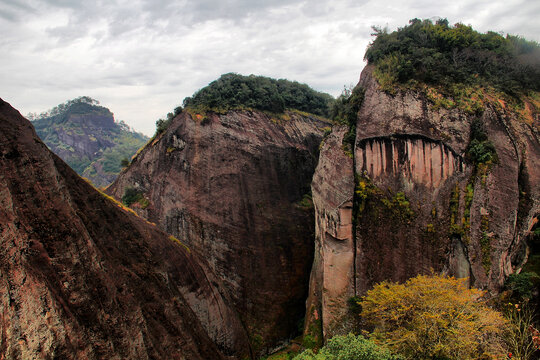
column 456, row 60
column 80, row 105
column 234, row 91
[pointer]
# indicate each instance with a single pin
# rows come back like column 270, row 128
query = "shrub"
column 348, row 347
column 433, row 317
column 522, row 285
column 132, row 196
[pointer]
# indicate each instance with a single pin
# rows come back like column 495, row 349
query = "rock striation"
column 410, row 201
column 81, row 278
column 235, row 187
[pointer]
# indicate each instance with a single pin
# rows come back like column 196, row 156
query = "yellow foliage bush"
column 434, row 317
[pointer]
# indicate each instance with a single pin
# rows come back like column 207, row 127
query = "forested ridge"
column 458, row 64
column 233, row 91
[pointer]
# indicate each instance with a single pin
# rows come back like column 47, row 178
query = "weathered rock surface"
column 230, row 186
column 81, row 278
column 332, row 277
column 420, row 204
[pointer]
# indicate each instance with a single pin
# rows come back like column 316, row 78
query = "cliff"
column 81, row 278
column 87, row 137
column 411, row 200
column 235, row 186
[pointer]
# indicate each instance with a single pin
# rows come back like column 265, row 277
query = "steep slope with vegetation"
column 81, row 278
column 435, row 167
column 86, row 136
column 234, row 184
column 456, row 66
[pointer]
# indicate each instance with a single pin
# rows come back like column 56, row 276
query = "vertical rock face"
column 231, row 186
column 419, row 205
column 82, row 279
column 332, row 277
column 418, row 160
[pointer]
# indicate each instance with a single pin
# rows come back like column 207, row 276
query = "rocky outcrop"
column 236, row 188
column 419, row 204
column 87, row 137
column 81, row 278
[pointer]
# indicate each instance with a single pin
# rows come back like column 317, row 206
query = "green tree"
column 440, row 54
column 233, row 91
column 434, row 317
column 349, row 347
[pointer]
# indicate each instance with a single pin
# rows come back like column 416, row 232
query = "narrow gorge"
column 235, row 187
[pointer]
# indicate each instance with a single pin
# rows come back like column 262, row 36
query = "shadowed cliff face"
column 418, row 204
column 231, row 187
column 82, row 279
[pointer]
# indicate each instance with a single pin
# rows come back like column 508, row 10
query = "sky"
column 141, row 58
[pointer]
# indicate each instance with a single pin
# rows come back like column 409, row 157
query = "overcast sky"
column 140, row 58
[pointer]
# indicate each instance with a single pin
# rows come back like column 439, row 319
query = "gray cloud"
column 142, row 57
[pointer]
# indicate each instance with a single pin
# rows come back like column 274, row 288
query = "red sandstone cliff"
column 418, row 206
column 82, row 279
column 230, row 186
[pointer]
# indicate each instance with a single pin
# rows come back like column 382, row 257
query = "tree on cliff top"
column 233, row 91
column 440, row 54
column 433, row 317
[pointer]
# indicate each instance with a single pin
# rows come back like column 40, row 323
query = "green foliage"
column 480, row 151
column 163, row 124
column 522, row 285
column 131, row 196
column 439, row 54
column 397, row 205
column 282, row 355
column 344, row 110
column 80, row 105
column 349, row 347
column 433, row 317
column 309, row 341
column 364, row 191
column 306, row 202
column 234, row 91
column 124, row 162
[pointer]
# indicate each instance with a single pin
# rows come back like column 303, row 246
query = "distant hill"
column 86, row 136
